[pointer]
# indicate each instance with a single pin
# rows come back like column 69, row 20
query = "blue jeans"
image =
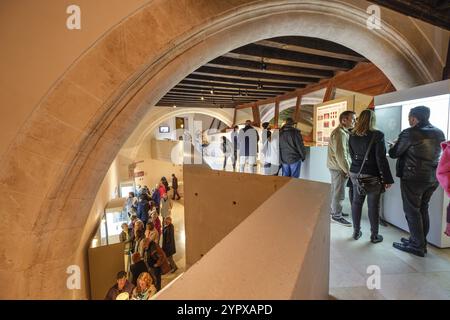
column 291, row 170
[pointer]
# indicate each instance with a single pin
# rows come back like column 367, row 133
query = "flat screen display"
column 164, row 129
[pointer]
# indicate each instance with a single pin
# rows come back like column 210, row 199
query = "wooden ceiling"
column 435, row 12
column 261, row 70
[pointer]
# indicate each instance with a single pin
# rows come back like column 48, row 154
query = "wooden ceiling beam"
column 314, row 46
column 363, row 79
column 216, row 95
column 312, row 61
column 193, row 105
column 257, row 75
column 248, row 65
column 230, row 80
column 237, row 93
column 207, row 89
column 281, row 61
column 213, row 85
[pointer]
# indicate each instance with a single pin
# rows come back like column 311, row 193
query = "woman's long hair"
column 145, row 276
column 366, row 122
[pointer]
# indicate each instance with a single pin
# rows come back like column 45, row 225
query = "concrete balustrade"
column 278, row 250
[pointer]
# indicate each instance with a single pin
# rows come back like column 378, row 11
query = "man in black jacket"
column 418, row 150
column 292, row 149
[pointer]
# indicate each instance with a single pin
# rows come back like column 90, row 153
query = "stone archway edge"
column 57, row 167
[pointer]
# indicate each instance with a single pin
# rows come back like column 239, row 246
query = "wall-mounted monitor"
column 164, row 129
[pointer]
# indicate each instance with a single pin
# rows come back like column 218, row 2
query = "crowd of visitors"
column 357, row 158
column 280, row 150
column 147, row 256
column 357, row 152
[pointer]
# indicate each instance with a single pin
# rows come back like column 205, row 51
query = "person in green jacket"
column 338, row 162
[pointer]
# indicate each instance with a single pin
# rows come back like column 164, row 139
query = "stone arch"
column 87, row 116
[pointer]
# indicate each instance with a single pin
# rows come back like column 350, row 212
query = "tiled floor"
column 403, row 276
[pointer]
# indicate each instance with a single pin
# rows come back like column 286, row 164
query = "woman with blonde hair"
column 145, row 288
column 369, row 172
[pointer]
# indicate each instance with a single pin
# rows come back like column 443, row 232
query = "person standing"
column 161, row 188
column 139, row 241
column 157, row 223
column 417, row 150
column 157, row 262
column 266, row 148
column 292, row 149
column 443, row 176
column 169, row 243
column 226, row 149
column 235, row 143
column 166, row 207
column 248, row 147
column 339, row 162
column 151, row 234
column 127, row 239
column 143, row 209
column 274, row 159
column 175, row 187
column 368, row 154
column 156, row 198
column 137, row 267
column 132, row 202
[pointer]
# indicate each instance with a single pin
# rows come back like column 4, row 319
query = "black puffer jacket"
column 376, row 163
column 418, row 150
column 292, row 148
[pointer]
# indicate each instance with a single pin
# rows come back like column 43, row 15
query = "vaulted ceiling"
column 261, row 70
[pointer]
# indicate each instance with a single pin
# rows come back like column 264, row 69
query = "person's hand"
column 387, row 186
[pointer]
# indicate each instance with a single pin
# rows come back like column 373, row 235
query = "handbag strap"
column 367, row 153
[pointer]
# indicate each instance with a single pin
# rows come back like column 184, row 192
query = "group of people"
column 357, row 157
column 150, row 255
column 280, row 150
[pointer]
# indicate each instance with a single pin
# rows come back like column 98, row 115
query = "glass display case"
column 110, row 226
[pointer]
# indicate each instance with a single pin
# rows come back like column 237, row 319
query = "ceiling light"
column 202, row 98
column 263, row 65
column 174, row 106
column 259, row 86
column 212, row 91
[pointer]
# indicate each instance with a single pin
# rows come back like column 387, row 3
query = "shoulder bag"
column 368, row 184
